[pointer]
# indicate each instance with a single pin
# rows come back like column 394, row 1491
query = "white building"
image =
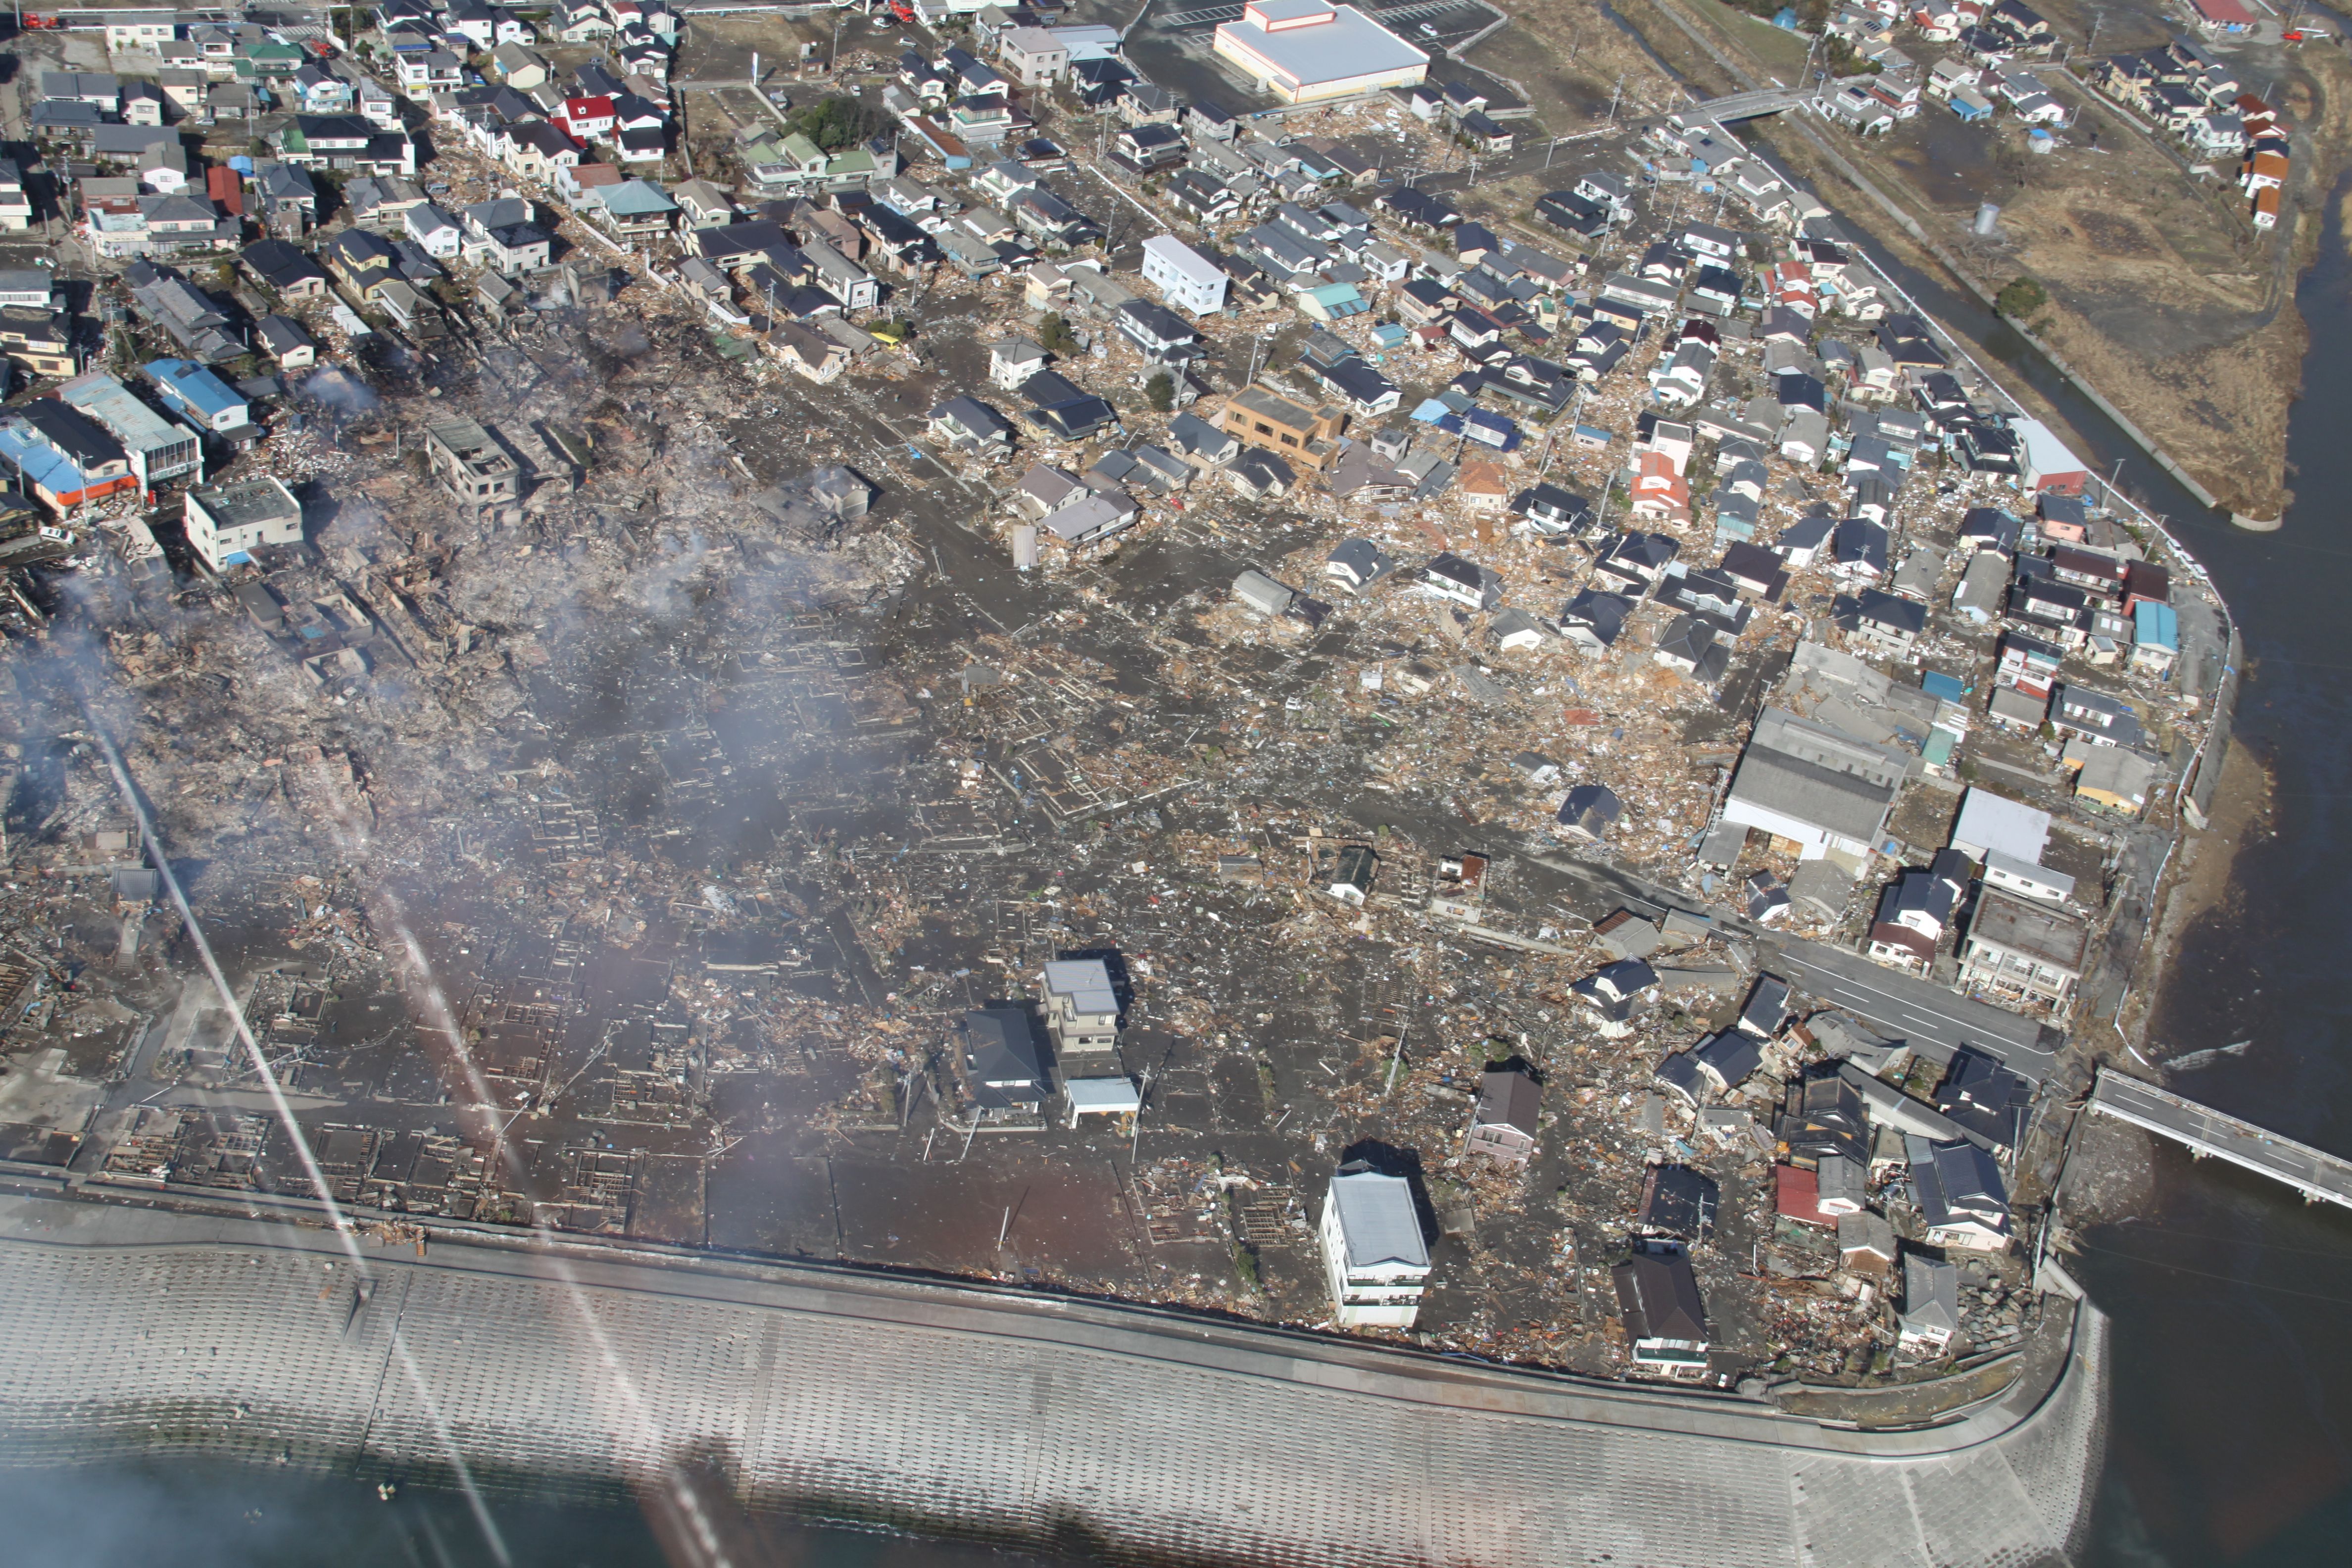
column 1931, row 1304
column 1101, row 1096
column 226, row 522
column 1373, row 1252
column 1302, row 52
column 1187, row 279
column 1989, row 822
column 1819, row 789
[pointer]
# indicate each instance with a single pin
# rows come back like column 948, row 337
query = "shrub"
column 2022, row 301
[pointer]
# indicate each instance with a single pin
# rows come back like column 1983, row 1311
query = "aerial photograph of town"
column 1274, row 783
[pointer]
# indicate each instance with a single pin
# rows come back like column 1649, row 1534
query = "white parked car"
column 57, row 535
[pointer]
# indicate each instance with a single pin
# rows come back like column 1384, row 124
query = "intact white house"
column 1187, row 279
column 1302, row 52
column 1372, row 1249
column 226, row 522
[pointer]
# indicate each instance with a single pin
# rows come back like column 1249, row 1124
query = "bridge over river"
column 2319, row 1176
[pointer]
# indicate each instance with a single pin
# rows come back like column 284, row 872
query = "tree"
column 836, row 123
column 2023, row 300
column 1161, row 392
column 1053, row 335
column 1843, row 59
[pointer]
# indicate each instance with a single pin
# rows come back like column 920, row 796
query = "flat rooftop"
column 1306, row 42
column 2053, row 939
column 261, row 500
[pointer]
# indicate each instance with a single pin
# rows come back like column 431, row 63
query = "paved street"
column 1937, row 1022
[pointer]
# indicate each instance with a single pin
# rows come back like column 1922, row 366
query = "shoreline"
column 2202, row 881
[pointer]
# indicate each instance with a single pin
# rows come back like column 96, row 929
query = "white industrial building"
column 1373, row 1251
column 1303, row 51
column 1186, row 279
column 1816, row 787
column 1991, row 823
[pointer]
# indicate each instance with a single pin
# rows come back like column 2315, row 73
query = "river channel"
column 2227, row 1441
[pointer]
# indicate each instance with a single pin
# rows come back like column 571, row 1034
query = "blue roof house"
column 203, row 398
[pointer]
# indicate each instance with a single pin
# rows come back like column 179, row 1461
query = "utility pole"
column 1615, row 94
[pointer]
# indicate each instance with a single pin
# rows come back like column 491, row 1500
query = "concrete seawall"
column 1146, row 1436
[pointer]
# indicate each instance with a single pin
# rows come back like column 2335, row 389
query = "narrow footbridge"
column 2318, row 1175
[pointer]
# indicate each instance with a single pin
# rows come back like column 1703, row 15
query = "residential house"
column 1961, row 1199
column 1507, row 1123
column 1355, row 565
column 1376, row 1260
column 37, row 341
column 2112, row 778
column 1594, row 619
column 1589, row 812
column 501, row 234
column 703, row 205
column 1465, row 582
column 1930, row 1315
column 437, row 234
column 635, row 209
column 285, row 341
column 286, row 271
column 1665, row 1321
column 1000, row 1063
column 203, row 330
column 199, row 396
column 1081, row 1006
column 970, row 425
column 362, row 262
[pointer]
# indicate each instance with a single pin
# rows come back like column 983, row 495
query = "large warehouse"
column 1302, row 52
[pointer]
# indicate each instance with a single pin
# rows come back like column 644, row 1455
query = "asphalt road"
column 1934, row 1021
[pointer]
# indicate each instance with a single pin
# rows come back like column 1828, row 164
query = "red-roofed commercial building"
column 2222, row 16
